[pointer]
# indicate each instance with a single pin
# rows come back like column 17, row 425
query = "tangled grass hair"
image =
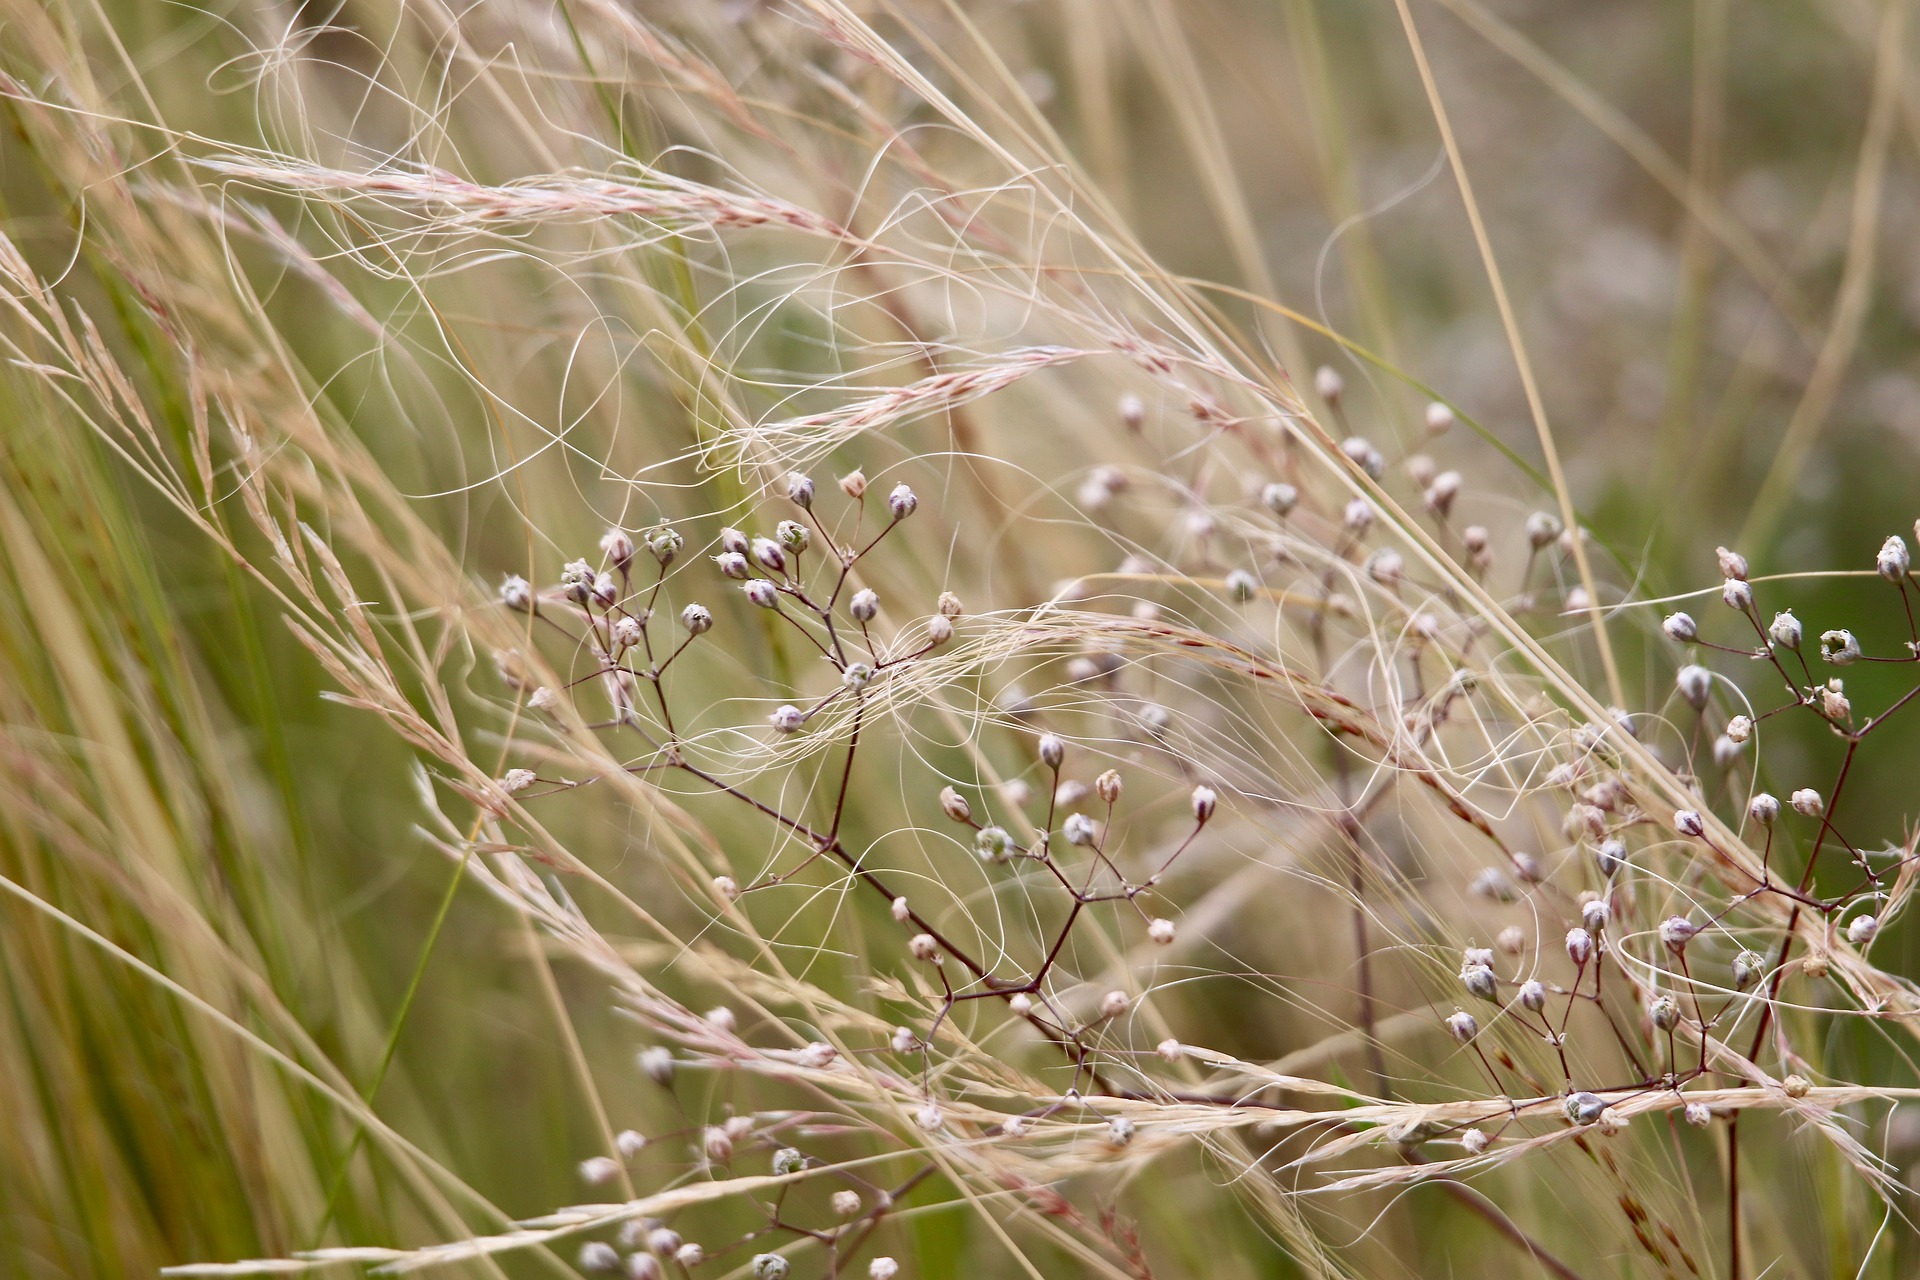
column 1023, row 774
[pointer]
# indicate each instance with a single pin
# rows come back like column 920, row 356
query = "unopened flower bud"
column 1439, row 417
column 1695, row 684
column 1861, row 930
column 788, row 719
column 846, row 1203
column 864, row 605
column 924, row 948
column 1737, row 594
column 761, row 592
column 1476, row 539
column 1363, row 455
column 1807, row 801
column 800, row 490
column 1796, row 1086
column 1893, row 560
column 1114, row 1003
column 1462, row 1026
column 656, row 1064
column 626, row 634
column 904, row 1041
column 901, row 911
column 1740, row 728
column 1676, row 932
column 1108, row 786
column 1542, row 527
column 1020, row 1003
column 1161, row 930
column 1079, row 829
column 727, row 887
column 665, row 1241
column 1595, row 913
column 598, row 1256
column 599, row 1169
column 857, row 676
column 1732, row 563
column 1422, row 470
column 1133, row 411
column 939, row 630
column 1479, row 981
column 949, row 606
column 1204, row 803
column 1440, row 495
column 769, row 556
column 854, row 484
column 902, row 502
column 1475, row 1141
column 733, row 564
column 1689, row 823
column 1611, row 855
column 771, row 1266
column 1358, row 516
column 882, row 1269
column 1579, row 946
column 1533, row 994
column 689, row 1255
column 1680, row 626
column 1665, row 1013
column 1280, row 498
column 517, row 780
column 1785, row 632
column 617, row 546
column 515, row 594
column 1242, row 586
column 1748, row 968
column 1698, row 1114
column 1839, row 648
column 605, row 593
column 1327, row 383
column 1052, row 750
column 1763, row 809
column 955, row 805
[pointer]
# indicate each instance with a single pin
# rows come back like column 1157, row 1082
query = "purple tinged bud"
column 761, row 592
column 902, row 502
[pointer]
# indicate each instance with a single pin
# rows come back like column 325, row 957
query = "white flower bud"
column 1676, row 932
column 800, row 490
column 788, row 719
column 514, row 780
column 1695, row 684
column 1689, row 823
column 515, row 594
column 1242, row 586
column 1363, row 455
column 1785, row 633
column 1133, row 411
column 598, row 1255
column 1737, row 594
column 1533, row 994
column 1763, row 809
column 1476, row 539
column 846, row 1203
column 626, row 635
column 955, row 805
column 923, row 948
column 1108, row 786
column 761, row 592
column 854, row 484
column 629, row 1143
column 1839, row 648
column 902, row 502
column 1796, row 1086
column 656, row 1064
column 939, row 630
column 1579, row 946
column 1114, row 1003
column 1740, row 728
column 1748, row 968
column 857, row 676
column 1542, row 528
column 690, row 1255
column 929, row 1118
column 1020, row 1003
column 697, row 619
column 605, row 592
column 617, row 547
column 1327, row 383
column 1119, row 1131
column 1732, row 563
column 666, row 1241
column 901, row 911
column 769, row 556
column 864, row 605
column 733, row 564
column 600, row 1169
column 1807, row 801
column 1387, row 567
column 1358, row 516
column 665, row 543
column 1479, row 981
column 1893, row 561
column 882, row 1269
column 1439, row 417
column 1080, row 829
column 1161, row 930
column 1680, row 626
column 1698, row 1114
column 1280, row 498
column 1665, row 1013
column 904, row 1041
column 1422, row 470
column 1611, row 855
column 1462, row 1026
column 1595, row 913
column 721, row 1019
column 1440, row 495
column 726, row 887
column 1204, row 803
column 1861, row 930
column 771, row 1266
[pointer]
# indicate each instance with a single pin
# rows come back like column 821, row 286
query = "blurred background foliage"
column 1708, row 214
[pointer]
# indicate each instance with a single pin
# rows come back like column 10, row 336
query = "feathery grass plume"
column 929, row 746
